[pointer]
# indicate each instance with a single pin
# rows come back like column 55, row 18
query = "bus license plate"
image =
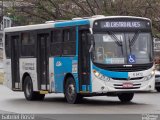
column 127, row 85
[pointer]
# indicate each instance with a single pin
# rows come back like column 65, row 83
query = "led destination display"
column 122, row 24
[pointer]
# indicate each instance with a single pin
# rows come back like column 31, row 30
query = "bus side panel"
column 62, row 66
column 28, row 65
column 7, row 73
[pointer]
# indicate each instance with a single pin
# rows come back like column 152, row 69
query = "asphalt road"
column 55, row 104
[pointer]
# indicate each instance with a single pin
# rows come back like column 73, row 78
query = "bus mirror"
column 89, row 38
column 90, row 42
column 156, row 39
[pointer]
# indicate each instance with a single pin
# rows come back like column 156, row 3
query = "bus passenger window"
column 28, row 44
column 69, row 41
column 7, row 46
column 56, row 43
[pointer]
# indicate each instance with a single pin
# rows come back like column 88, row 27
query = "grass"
column 1, row 78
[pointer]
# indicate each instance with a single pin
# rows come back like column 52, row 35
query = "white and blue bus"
column 81, row 57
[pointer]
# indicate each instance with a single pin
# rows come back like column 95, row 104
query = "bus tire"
column 158, row 89
column 125, row 97
column 71, row 95
column 28, row 90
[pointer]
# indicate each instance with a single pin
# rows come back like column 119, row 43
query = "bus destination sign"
column 122, row 24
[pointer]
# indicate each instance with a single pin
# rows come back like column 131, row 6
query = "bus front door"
column 84, row 60
column 42, row 61
column 15, row 62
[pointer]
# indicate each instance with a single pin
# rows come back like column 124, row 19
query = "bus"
column 82, row 57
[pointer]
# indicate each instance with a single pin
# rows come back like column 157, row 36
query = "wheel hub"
column 71, row 91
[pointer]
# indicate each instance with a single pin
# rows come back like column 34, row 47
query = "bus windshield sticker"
column 108, row 38
column 108, row 61
column 114, row 60
column 131, row 59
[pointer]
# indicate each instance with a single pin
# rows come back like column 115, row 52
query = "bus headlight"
column 153, row 72
column 97, row 74
column 100, row 76
column 150, row 75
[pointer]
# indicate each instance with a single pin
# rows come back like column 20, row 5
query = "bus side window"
column 28, row 44
column 69, row 41
column 56, row 43
column 7, row 47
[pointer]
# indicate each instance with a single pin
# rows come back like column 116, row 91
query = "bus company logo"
column 149, row 117
column 58, row 63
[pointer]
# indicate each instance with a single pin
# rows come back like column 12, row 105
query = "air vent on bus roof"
column 86, row 17
column 78, row 18
column 95, row 16
column 49, row 21
column 60, row 20
column 55, row 21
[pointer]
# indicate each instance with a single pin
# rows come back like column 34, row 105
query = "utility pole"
column 1, row 34
column 2, row 9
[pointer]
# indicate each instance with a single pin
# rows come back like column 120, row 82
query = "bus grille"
column 121, row 68
column 138, row 78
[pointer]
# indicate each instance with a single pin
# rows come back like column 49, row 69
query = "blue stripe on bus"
column 111, row 74
column 62, row 66
column 71, row 23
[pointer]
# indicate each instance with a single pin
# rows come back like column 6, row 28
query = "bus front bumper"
column 140, row 85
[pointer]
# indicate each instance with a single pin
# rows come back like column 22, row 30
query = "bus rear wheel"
column 70, row 92
column 125, row 97
column 28, row 91
column 158, row 89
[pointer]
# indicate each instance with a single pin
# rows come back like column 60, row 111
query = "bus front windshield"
column 117, row 48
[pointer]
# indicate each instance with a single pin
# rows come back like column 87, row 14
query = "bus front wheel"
column 28, row 91
column 125, row 97
column 70, row 92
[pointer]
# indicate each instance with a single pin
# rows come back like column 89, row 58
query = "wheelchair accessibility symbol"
column 131, row 59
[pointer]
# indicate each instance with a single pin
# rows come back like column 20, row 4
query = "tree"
column 38, row 11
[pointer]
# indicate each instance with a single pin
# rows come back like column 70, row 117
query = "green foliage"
column 37, row 11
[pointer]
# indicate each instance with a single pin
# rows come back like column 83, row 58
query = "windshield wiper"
column 119, row 43
column 131, row 42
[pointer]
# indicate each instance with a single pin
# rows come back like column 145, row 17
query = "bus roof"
column 74, row 22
